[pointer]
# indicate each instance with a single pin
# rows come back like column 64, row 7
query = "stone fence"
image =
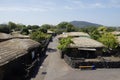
column 76, row 62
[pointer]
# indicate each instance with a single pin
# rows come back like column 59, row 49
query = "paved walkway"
column 54, row 68
column 57, row 67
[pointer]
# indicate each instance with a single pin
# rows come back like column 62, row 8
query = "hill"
column 84, row 24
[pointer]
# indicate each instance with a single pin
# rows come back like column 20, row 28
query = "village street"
column 55, row 68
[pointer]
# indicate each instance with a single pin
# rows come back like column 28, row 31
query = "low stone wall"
column 75, row 63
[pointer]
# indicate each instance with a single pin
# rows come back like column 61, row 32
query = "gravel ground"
column 54, row 68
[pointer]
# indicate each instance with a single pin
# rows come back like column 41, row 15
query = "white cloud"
column 114, row 3
column 26, row 9
column 68, row 8
column 79, row 4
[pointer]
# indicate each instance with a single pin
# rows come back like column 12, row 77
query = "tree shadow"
column 35, row 70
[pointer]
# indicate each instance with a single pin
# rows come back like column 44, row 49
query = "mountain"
column 84, row 24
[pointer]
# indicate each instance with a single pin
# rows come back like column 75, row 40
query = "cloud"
column 26, row 5
column 68, row 8
column 50, row 5
column 114, row 3
column 96, row 4
column 26, row 9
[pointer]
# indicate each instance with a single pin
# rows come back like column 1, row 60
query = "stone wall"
column 76, row 62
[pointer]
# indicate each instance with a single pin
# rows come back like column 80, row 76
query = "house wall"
column 76, row 53
column 1, row 73
column 99, row 51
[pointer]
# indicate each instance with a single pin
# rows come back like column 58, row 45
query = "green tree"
column 5, row 28
column 111, row 29
column 20, row 27
column 102, row 29
column 64, row 43
column 70, row 28
column 39, row 36
column 95, row 34
column 62, row 25
column 65, row 27
column 109, row 40
column 46, row 26
column 24, row 31
column 12, row 25
column 88, row 30
column 32, row 27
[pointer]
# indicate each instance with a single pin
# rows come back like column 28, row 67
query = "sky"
column 38, row 12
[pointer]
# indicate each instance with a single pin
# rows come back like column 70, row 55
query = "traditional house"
column 73, row 34
column 83, row 48
column 17, row 57
column 86, row 47
column 85, row 51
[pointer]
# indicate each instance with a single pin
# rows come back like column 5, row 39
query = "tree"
column 62, row 25
column 64, row 43
column 5, row 28
column 24, row 31
column 65, row 27
column 102, row 29
column 46, row 26
column 70, row 28
column 111, row 29
column 19, row 27
column 109, row 40
column 39, row 36
column 95, row 35
column 88, row 30
column 12, row 25
column 43, row 30
column 32, row 27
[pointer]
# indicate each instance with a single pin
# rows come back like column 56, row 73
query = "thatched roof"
column 4, row 36
column 14, row 48
column 20, row 43
column 116, row 33
column 9, row 54
column 50, row 32
column 84, row 42
column 18, row 35
column 73, row 34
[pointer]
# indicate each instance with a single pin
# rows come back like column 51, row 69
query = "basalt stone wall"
column 76, row 62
